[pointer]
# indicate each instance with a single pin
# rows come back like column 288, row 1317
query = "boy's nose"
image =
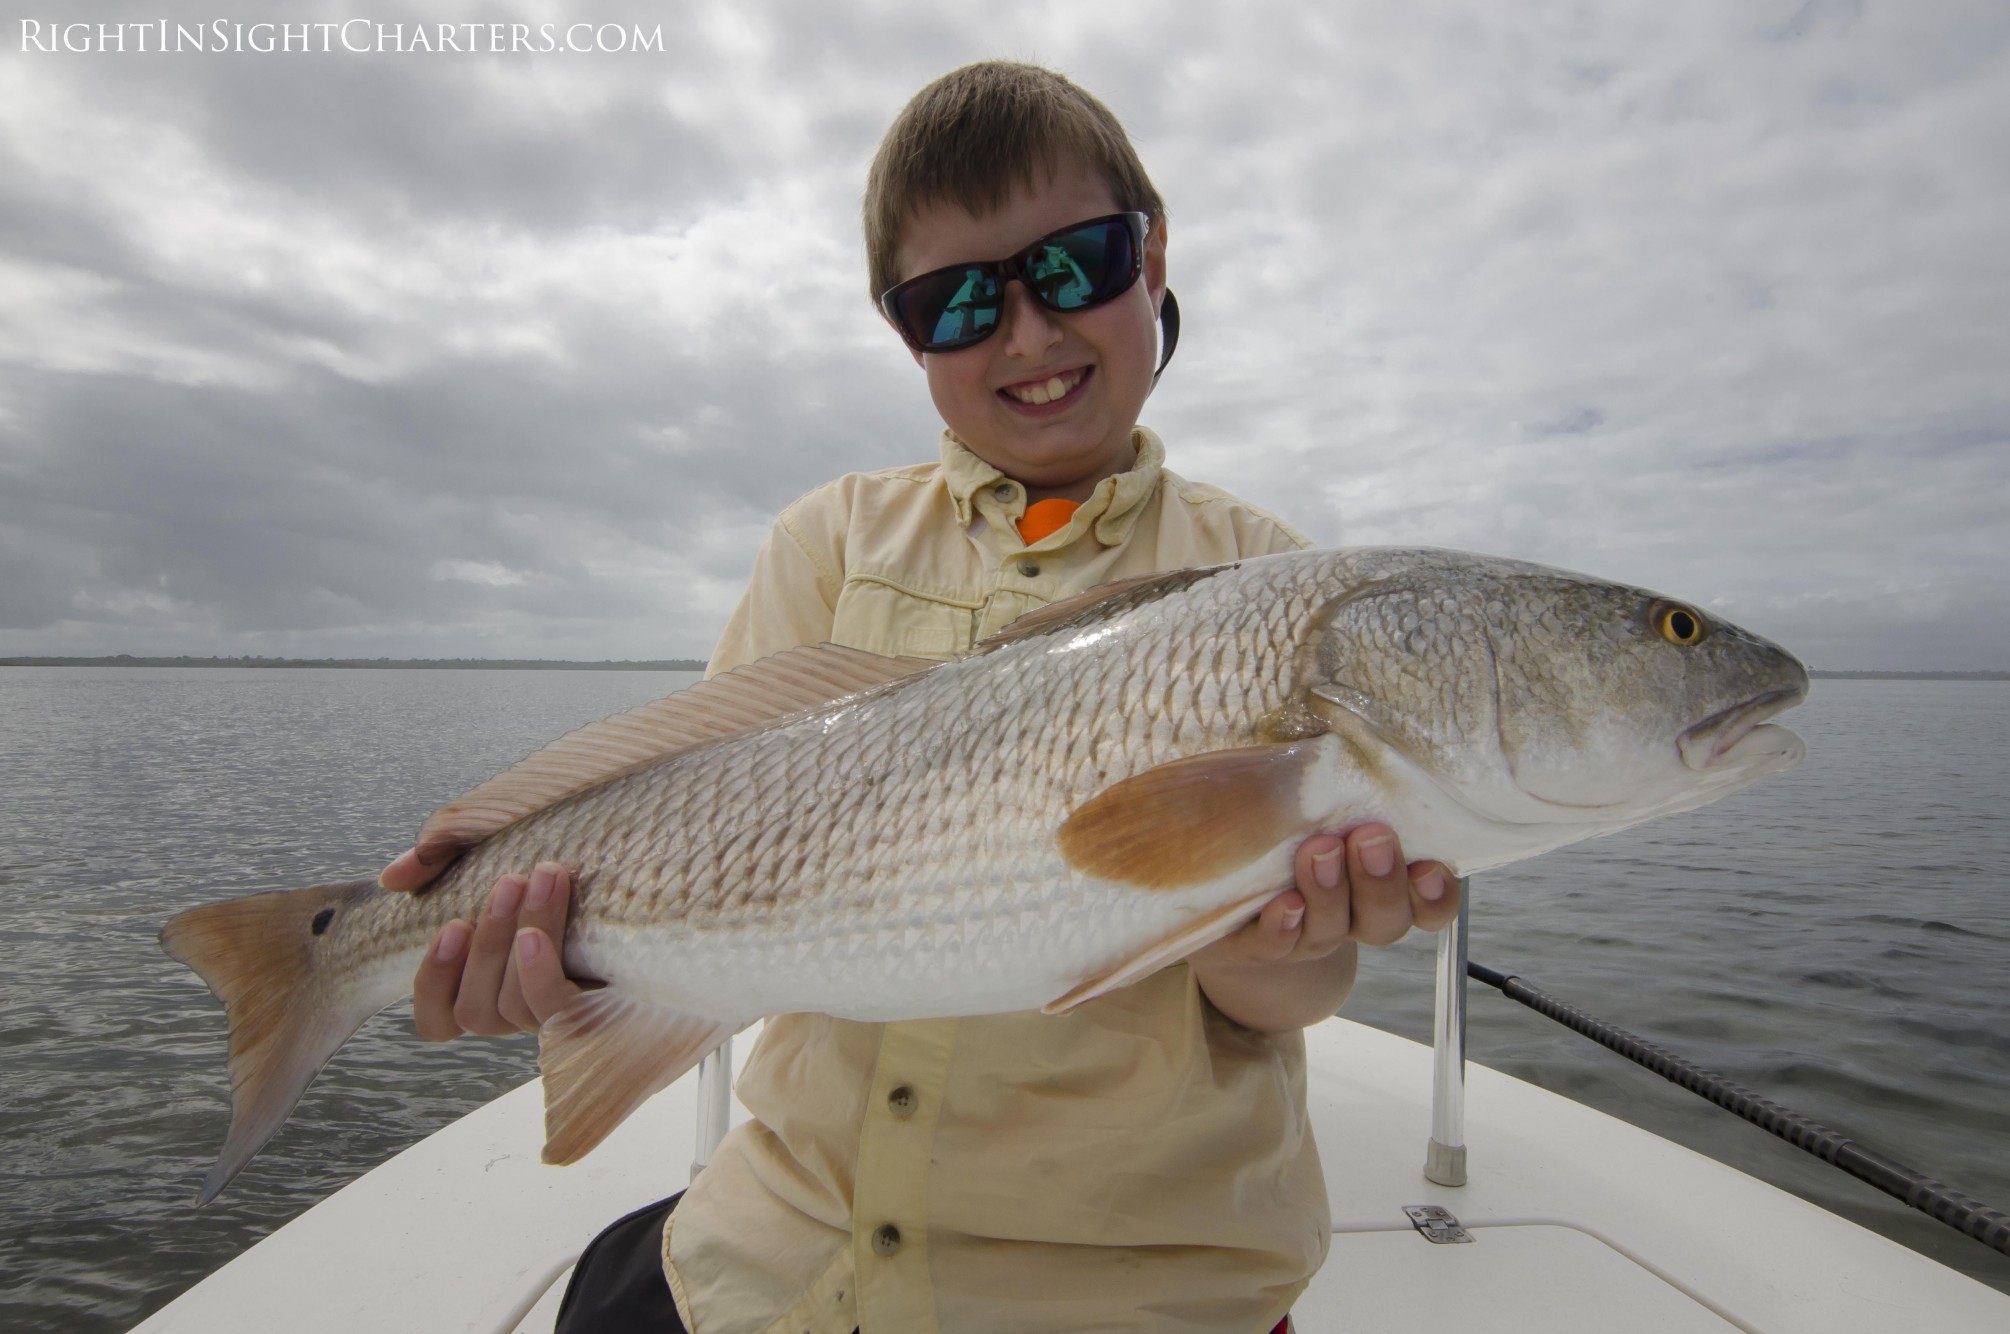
column 1030, row 328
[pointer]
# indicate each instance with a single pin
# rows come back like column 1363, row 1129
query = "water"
column 1828, row 938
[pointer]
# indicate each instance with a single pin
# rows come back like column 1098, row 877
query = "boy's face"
column 1103, row 356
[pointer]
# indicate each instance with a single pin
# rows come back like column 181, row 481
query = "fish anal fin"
column 1101, row 603
column 605, row 1055
column 286, row 1018
column 761, row 692
column 1191, row 820
column 1195, row 935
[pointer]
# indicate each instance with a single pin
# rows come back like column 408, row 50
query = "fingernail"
column 542, row 881
column 529, row 944
column 508, row 897
column 453, row 940
column 1378, row 856
column 1326, row 869
column 1292, row 917
column 1431, row 886
column 399, row 867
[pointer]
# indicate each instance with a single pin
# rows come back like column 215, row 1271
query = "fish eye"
column 1676, row 623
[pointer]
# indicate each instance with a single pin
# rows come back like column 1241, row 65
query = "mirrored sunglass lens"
column 1084, row 266
column 950, row 308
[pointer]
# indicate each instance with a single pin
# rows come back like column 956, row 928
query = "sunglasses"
column 1080, row 266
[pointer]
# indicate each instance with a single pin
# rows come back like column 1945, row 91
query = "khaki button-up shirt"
column 1140, row 1163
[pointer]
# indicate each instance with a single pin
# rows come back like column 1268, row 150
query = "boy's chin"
column 1054, row 462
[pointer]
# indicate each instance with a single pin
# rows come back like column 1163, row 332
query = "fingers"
column 1377, row 899
column 477, row 1002
column 1307, row 922
column 1382, row 894
column 501, row 974
column 407, row 873
column 1323, row 885
column 1269, row 937
column 1389, row 898
column 438, row 982
column 534, row 985
column 1437, row 895
column 540, row 973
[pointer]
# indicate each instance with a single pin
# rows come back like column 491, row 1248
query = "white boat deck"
column 1580, row 1223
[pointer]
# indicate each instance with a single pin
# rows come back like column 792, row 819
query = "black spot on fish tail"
column 322, row 919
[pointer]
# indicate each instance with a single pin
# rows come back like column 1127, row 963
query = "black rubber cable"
column 1965, row 1214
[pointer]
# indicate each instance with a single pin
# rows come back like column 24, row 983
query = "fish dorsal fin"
column 1191, row 820
column 760, row 692
column 1101, row 603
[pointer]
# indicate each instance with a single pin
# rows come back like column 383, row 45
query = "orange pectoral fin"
column 1192, row 820
column 604, row 1055
column 1196, row 935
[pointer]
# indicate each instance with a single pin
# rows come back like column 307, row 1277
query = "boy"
column 1141, row 1163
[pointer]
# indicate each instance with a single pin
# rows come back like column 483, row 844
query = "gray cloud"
column 416, row 354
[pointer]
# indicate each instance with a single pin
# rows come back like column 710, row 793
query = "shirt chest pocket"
column 883, row 617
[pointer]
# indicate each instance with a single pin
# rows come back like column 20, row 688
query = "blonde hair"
column 974, row 135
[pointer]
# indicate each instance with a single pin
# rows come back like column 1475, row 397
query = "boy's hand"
column 407, row 873
column 501, row 974
column 1294, row 963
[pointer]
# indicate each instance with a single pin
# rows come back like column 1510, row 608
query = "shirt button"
column 886, row 1239
column 1004, row 491
column 902, row 1102
column 1029, row 568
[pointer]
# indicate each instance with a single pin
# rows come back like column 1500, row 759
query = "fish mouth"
column 1705, row 745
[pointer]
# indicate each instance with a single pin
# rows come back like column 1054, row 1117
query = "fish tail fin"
column 287, row 1015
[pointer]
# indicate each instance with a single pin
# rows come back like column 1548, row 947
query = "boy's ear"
column 1155, row 263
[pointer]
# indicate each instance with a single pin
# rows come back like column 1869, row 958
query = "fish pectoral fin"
column 773, row 687
column 1192, row 820
column 1194, row 936
column 605, row 1055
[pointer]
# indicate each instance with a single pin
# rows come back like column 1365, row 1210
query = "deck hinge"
column 1436, row 1223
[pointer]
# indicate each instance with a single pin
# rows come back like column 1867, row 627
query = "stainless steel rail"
column 715, row 1104
column 1445, row 1159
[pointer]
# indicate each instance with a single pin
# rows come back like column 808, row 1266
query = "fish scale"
column 1096, row 792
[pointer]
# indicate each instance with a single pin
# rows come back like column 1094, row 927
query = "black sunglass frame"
column 1002, row 271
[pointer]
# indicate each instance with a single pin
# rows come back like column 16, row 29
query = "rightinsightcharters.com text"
column 358, row 36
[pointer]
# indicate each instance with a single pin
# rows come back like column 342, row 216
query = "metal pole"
column 715, row 1104
column 1445, row 1161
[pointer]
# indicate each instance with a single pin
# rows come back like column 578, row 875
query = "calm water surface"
column 1833, row 938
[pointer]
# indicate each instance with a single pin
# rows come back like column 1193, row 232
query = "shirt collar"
column 1113, row 508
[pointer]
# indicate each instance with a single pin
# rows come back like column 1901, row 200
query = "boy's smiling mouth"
column 1048, row 392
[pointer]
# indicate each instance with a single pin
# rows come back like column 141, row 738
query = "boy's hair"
column 974, row 134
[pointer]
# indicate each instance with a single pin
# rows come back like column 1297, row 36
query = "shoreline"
column 399, row 664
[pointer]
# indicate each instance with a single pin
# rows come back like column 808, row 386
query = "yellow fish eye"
column 1677, row 623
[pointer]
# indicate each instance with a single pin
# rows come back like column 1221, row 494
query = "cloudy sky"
column 482, row 353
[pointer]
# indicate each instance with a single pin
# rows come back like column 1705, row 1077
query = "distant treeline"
column 443, row 664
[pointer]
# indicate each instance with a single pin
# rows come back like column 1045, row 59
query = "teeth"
column 1036, row 394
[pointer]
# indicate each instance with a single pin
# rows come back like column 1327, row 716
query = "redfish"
column 1105, row 786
